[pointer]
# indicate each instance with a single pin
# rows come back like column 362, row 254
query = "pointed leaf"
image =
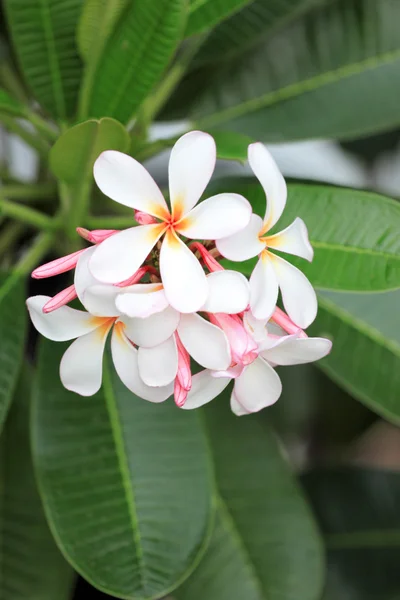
column 43, row 34
column 30, row 563
column 133, row 61
column 12, row 336
column 125, row 483
column 97, row 21
column 265, row 545
column 204, row 14
column 365, row 358
column 358, row 512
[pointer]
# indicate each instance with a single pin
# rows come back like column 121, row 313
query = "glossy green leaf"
column 126, row 484
column 12, row 336
column 9, row 105
column 231, row 145
column 30, row 563
column 249, row 27
column 204, row 14
column 136, row 56
column 265, row 545
column 365, row 358
column 43, row 34
column 358, row 512
column 334, row 73
column 354, row 234
column 75, row 152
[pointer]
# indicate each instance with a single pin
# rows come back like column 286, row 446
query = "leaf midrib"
column 56, row 81
column 298, row 88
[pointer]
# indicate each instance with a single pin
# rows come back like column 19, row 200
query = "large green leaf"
column 43, row 34
column 250, row 26
column 358, row 512
column 204, row 14
column 365, row 358
column 136, row 56
column 334, row 73
column 354, row 234
column 12, row 336
column 126, row 484
column 265, row 545
column 30, row 564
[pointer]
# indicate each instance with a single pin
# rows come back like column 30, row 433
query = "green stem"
column 9, row 234
column 149, row 150
column 33, row 191
column 41, row 125
column 32, row 140
column 12, row 83
column 27, row 215
column 33, row 256
column 111, row 222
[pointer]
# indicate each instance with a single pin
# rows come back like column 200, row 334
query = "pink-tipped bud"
column 96, row 236
column 144, row 218
column 183, row 379
column 285, row 322
column 243, row 347
column 60, row 299
column 180, row 394
column 136, row 277
column 211, row 263
column 58, row 266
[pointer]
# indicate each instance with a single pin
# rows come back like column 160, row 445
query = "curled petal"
column 228, row 292
column 258, row 386
column 205, row 388
column 245, row 244
column 60, row 265
column 158, row 366
column 205, row 342
column 293, row 350
column 142, row 300
column 218, row 217
column 191, row 165
column 184, row 374
column 64, row 324
column 83, row 278
column 99, row 300
column 293, row 240
column 236, row 407
column 125, row 359
column 263, row 288
column 271, row 179
column 125, row 180
column 152, row 330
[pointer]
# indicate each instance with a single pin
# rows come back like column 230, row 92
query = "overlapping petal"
column 292, row 350
column 141, row 300
column 99, row 300
column 191, row 166
column 205, row 342
column 125, row 180
column 61, row 325
column 152, row 330
column 205, row 388
column 258, row 386
column 263, row 288
column 245, row 244
column 236, row 407
column 158, row 366
column 293, row 240
column 228, row 292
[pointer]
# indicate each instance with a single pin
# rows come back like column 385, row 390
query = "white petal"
column 293, row 239
column 81, row 367
column 141, row 300
column 258, row 386
column 205, row 342
column 228, row 292
column 121, row 255
column 123, row 179
column 63, row 324
column 184, row 280
column 158, row 366
column 296, row 351
column 218, row 217
column 99, row 300
column 125, row 359
column 298, row 295
column 255, row 327
column 191, row 165
column 245, row 244
column 205, row 388
column 152, row 330
column 83, row 277
column 236, row 407
column 271, row 179
column 263, row 288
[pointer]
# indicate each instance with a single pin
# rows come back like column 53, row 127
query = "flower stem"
column 32, row 140
column 41, row 125
column 9, row 234
column 33, row 191
column 27, row 215
column 33, row 256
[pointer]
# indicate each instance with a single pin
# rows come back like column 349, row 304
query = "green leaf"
column 126, row 484
column 265, row 545
column 249, row 27
column 354, row 234
column 43, row 34
column 358, row 512
column 75, row 152
column 309, row 81
column 30, row 563
column 365, row 358
column 204, row 14
column 9, row 105
column 12, row 336
column 231, row 145
column 136, row 56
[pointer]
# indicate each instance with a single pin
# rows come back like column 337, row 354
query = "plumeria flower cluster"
column 160, row 290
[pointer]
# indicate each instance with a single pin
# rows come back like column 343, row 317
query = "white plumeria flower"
column 257, row 384
column 273, row 272
column 126, row 181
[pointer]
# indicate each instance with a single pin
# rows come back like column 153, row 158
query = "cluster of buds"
column 166, row 297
